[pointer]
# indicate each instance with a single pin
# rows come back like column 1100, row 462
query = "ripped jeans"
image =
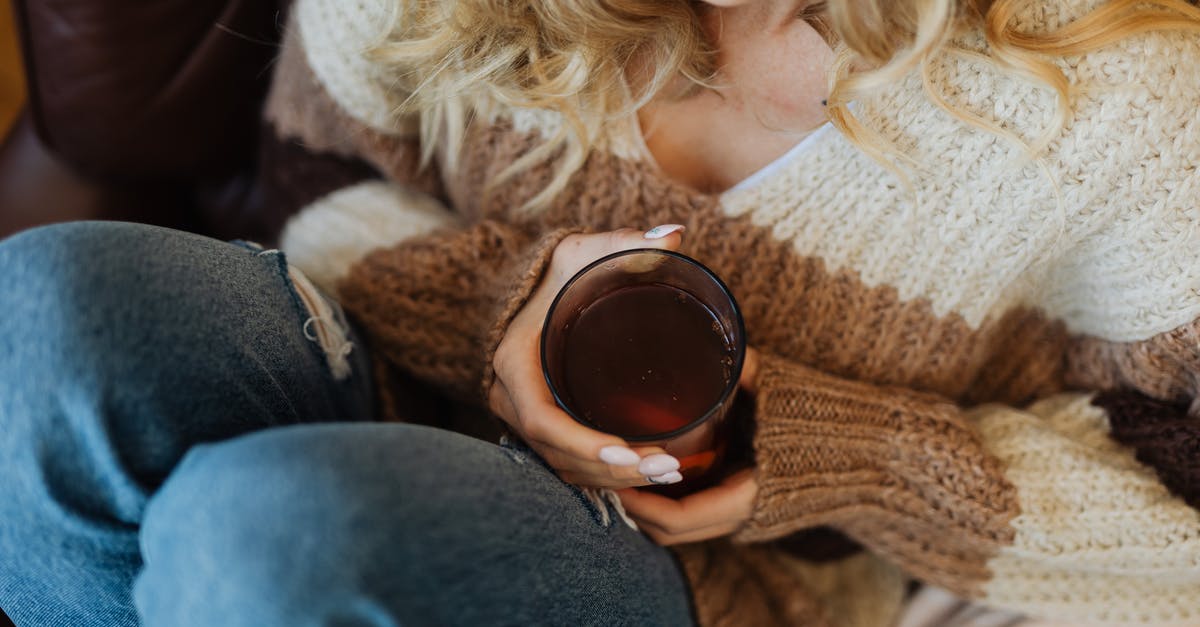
column 175, row 449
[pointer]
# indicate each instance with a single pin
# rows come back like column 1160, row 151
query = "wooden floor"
column 12, row 88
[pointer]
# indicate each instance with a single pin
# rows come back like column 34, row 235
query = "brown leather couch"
column 144, row 111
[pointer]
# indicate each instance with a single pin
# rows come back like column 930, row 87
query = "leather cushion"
column 170, row 88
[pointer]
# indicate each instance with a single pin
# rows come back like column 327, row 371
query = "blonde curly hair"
column 596, row 62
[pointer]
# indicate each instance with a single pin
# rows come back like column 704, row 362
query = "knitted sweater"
column 989, row 383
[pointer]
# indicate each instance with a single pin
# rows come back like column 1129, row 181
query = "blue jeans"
column 175, row 450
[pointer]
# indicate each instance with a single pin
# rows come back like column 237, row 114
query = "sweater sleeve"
column 1035, row 509
column 438, row 306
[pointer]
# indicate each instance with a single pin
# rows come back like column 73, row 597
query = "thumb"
column 577, row 251
column 667, row 236
column 583, row 250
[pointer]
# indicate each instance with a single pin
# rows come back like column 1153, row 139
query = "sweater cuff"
column 534, row 265
column 864, row 459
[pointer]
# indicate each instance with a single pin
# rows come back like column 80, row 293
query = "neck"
column 766, row 97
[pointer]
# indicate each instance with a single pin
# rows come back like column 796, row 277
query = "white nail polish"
column 619, row 456
column 653, row 465
column 662, row 231
column 667, row 479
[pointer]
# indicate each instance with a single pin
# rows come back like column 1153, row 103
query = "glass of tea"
column 648, row 345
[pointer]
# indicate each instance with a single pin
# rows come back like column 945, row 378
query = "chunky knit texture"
column 885, row 466
column 931, row 359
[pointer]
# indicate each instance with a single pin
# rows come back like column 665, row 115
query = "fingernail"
column 666, row 479
column 658, row 464
column 619, row 456
column 662, row 231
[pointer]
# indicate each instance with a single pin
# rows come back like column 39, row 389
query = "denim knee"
column 301, row 526
column 385, row 524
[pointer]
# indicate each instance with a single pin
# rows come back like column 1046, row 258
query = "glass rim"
column 730, row 387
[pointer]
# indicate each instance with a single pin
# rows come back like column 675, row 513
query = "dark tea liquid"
column 645, row 360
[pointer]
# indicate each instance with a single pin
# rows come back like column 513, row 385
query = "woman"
column 995, row 224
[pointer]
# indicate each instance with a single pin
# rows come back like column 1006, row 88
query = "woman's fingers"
column 654, row 468
column 615, row 465
column 663, row 537
column 748, row 380
column 592, row 457
column 590, row 473
column 521, row 398
column 500, row 403
column 707, row 514
column 539, row 419
column 588, row 457
column 616, row 469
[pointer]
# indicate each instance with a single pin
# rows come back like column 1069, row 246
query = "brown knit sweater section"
column 877, row 416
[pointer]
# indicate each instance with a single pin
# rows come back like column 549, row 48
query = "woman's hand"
column 711, row 513
column 520, row 397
